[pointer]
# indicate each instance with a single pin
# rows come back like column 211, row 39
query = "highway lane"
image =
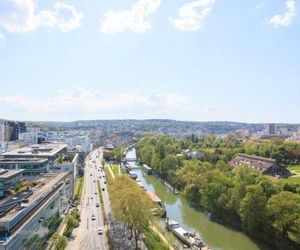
column 86, row 235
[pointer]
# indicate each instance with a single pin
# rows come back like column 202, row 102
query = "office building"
column 9, row 130
column 31, row 166
column 5, row 133
column 25, row 218
column 35, row 159
column 271, row 129
column 9, row 179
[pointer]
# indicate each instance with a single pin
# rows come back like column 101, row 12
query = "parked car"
column 93, row 217
column 100, row 231
column 97, row 204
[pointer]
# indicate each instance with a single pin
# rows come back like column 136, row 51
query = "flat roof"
column 38, row 150
column 18, row 160
column 153, row 196
column 48, row 181
column 147, row 167
column 10, row 173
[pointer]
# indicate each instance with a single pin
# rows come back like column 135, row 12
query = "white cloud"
column 285, row 19
column 18, row 16
column 81, row 103
column 67, row 16
column 192, row 15
column 2, row 37
column 135, row 19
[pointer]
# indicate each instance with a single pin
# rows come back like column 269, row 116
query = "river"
column 218, row 237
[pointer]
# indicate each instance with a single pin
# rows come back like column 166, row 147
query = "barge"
column 148, row 170
column 192, row 240
column 159, row 209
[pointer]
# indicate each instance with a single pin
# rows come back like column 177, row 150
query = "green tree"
column 269, row 186
column 214, row 191
column 244, row 176
column 130, row 205
column 253, row 208
column 118, row 154
column 284, row 211
column 59, row 242
column 170, row 163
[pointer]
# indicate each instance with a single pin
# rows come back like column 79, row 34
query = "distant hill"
column 162, row 125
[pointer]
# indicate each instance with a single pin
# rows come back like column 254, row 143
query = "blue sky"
column 187, row 60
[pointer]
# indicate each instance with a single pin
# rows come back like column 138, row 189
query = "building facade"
column 26, row 224
column 9, row 179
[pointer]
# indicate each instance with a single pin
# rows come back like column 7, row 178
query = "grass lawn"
column 153, row 241
column 107, row 174
column 115, row 169
column 291, row 180
column 295, row 168
column 208, row 150
column 295, row 179
column 79, row 186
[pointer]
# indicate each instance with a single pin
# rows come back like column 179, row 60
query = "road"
column 86, row 235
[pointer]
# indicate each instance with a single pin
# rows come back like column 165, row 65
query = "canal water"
column 216, row 236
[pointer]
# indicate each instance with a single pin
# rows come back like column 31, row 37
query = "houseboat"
column 192, row 240
column 159, row 209
column 147, row 169
column 132, row 175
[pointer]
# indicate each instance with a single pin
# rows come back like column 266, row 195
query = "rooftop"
column 38, row 150
column 46, row 182
column 259, row 163
column 18, row 160
column 5, row 173
column 153, row 197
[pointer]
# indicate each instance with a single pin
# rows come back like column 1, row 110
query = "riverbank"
column 178, row 208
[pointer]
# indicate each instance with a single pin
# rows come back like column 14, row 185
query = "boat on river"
column 147, row 169
column 159, row 209
column 192, row 240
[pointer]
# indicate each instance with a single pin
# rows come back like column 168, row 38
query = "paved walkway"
column 110, row 170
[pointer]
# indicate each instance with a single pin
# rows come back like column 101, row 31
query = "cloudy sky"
column 181, row 59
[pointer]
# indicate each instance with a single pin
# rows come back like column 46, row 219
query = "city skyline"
column 192, row 60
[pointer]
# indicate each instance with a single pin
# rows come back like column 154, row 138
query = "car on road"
column 97, row 204
column 100, row 231
column 95, row 192
column 105, row 182
column 93, row 217
column 103, row 189
column 94, row 181
column 91, row 175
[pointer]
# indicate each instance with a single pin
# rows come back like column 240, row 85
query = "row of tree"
column 243, row 198
column 130, row 205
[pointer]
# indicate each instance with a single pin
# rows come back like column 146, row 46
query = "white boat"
column 190, row 239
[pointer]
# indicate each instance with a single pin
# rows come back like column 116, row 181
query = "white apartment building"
column 72, row 138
